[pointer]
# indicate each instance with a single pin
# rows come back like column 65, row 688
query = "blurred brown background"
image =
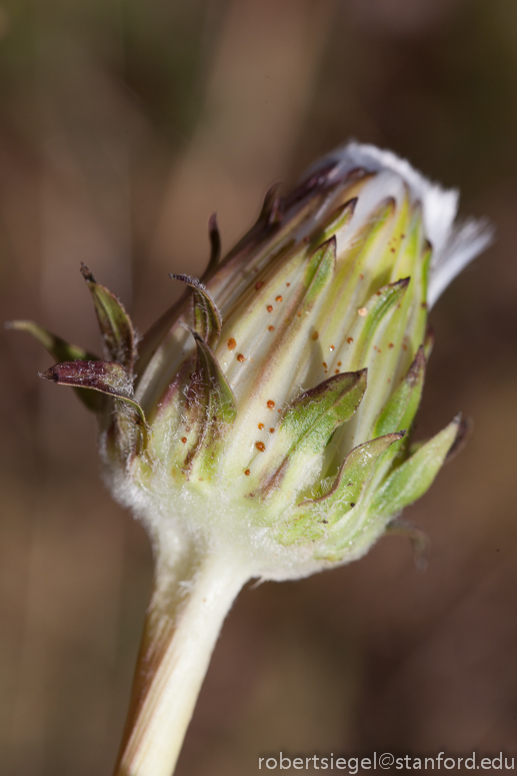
column 123, row 125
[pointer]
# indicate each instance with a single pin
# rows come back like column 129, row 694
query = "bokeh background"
column 123, row 125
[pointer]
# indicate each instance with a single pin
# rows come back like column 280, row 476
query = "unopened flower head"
column 268, row 414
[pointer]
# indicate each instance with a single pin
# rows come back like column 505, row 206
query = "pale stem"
column 185, row 616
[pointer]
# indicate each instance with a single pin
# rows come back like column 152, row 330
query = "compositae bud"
column 263, row 427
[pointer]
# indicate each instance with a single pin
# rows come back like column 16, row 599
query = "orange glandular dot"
column 270, row 404
column 231, row 344
column 260, row 446
column 241, row 358
column 269, row 308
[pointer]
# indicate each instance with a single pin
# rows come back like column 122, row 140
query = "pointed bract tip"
column 351, row 205
column 50, row 374
column 389, row 204
column 316, row 179
column 277, row 211
column 417, row 367
column 214, row 236
column 429, row 341
column 355, row 174
column 189, row 280
column 402, row 283
column 87, row 273
column 327, row 245
column 464, row 430
column 270, row 198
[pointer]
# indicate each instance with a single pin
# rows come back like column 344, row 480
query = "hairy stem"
column 185, row 616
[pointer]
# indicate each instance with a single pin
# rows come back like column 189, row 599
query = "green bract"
column 268, row 414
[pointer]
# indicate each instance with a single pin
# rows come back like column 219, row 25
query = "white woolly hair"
column 454, row 245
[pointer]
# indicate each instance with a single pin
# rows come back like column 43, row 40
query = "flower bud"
column 268, row 414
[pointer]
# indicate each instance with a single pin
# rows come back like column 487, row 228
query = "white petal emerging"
column 454, row 245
